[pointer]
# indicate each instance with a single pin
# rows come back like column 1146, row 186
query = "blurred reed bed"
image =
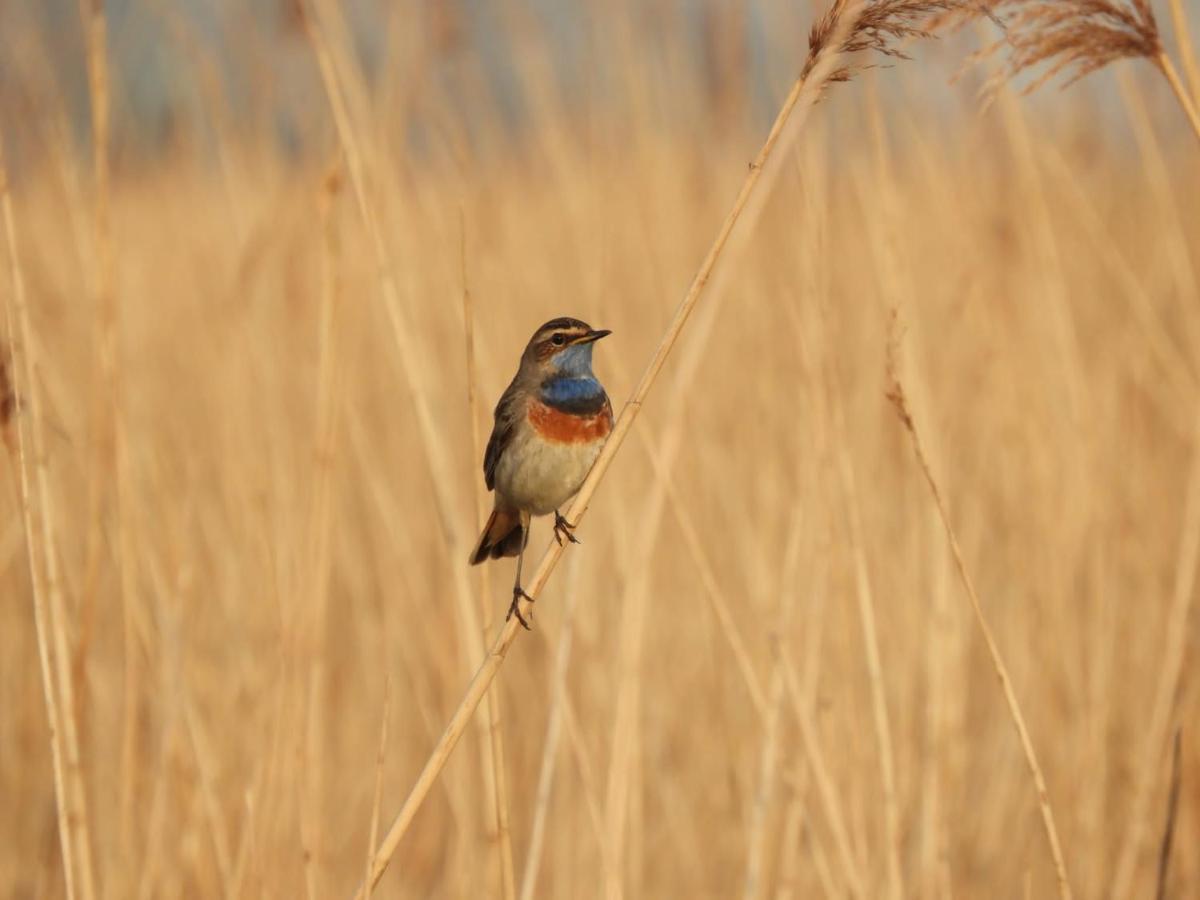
column 276, row 554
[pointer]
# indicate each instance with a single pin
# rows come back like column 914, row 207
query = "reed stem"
column 1189, row 107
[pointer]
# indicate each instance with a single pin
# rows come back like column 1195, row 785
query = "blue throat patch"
column 578, row 395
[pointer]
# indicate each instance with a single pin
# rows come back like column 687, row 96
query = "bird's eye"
column 558, row 339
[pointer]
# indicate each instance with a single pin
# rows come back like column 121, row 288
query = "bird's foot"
column 514, row 608
column 564, row 529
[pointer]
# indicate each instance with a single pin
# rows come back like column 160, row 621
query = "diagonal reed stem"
column 1189, row 105
column 900, row 402
column 800, row 98
column 1183, row 42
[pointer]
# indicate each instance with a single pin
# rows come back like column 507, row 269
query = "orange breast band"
column 566, row 428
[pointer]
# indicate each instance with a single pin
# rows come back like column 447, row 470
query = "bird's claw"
column 514, row 608
column 564, row 529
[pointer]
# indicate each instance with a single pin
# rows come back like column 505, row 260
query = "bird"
column 550, row 425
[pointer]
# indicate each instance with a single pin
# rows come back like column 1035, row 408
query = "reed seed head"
column 880, row 26
column 1071, row 37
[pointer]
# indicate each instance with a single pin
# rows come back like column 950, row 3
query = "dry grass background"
column 273, row 561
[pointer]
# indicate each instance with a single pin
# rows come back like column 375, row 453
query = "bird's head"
column 562, row 347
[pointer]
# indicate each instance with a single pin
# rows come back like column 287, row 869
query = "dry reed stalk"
column 545, row 782
column 712, row 590
column 1168, row 837
column 587, row 776
column 1046, row 250
column 1174, row 655
column 821, row 863
column 790, row 837
column 663, row 464
column 113, row 440
column 826, row 789
column 205, row 769
column 247, row 850
column 331, row 20
column 335, row 70
column 378, row 794
column 311, row 836
column 866, row 615
column 827, row 45
column 70, row 805
column 625, row 730
column 934, row 841
column 1160, row 179
column 864, row 594
column 336, row 73
column 755, row 882
column 493, row 737
column 1075, row 38
column 623, row 756
column 1187, row 53
column 1180, row 371
column 785, row 586
column 898, row 400
column 409, row 356
column 318, row 557
column 895, row 270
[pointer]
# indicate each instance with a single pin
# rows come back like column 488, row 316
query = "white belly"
column 539, row 476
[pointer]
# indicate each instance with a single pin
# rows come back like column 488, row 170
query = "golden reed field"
column 244, row 430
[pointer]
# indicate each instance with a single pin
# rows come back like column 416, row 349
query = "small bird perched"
column 550, row 425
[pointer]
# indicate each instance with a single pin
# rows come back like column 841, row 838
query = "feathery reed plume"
column 1073, row 38
column 877, row 27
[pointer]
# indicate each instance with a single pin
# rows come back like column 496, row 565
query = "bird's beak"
column 593, row 335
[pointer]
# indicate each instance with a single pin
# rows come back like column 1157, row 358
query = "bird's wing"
column 508, row 413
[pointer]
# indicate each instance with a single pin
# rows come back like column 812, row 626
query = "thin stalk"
column 493, row 737
column 113, row 441
column 545, row 784
column 826, row 790
column 1189, row 107
column 432, row 440
column 1187, row 53
column 315, row 585
column 344, row 92
column 866, row 614
column 1173, row 657
column 754, row 885
column 896, row 396
column 17, row 317
column 1168, row 836
column 806, row 88
column 383, row 736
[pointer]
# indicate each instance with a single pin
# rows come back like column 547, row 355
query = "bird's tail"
column 503, row 535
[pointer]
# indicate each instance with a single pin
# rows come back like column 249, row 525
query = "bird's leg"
column 514, row 608
column 564, row 529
